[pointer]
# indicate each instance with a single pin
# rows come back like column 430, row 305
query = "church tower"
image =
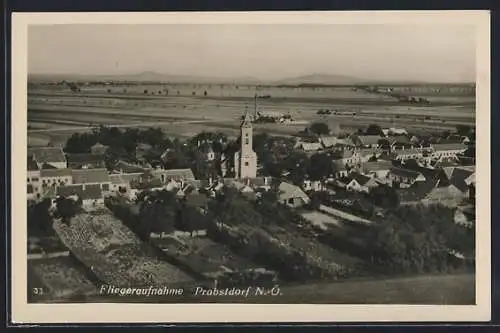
column 245, row 160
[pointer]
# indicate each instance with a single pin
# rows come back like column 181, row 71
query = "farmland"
column 54, row 112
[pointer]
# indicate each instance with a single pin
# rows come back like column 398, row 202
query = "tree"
column 158, row 212
column 67, row 208
column 384, row 196
column 464, row 130
column 145, row 91
column 152, row 136
column 39, row 218
column 374, row 129
column 320, row 167
column 205, row 93
column 319, row 129
column 80, row 143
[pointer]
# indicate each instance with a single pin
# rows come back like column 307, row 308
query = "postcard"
column 223, row 167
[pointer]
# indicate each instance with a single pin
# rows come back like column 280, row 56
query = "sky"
column 441, row 53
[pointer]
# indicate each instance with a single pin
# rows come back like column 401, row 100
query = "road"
column 142, row 124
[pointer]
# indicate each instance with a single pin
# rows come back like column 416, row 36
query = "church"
column 244, row 161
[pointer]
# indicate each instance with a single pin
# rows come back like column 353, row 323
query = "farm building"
column 405, row 177
column 408, row 154
column 357, row 182
column 91, row 195
column 366, row 141
column 85, row 161
column 292, row 196
column 447, row 150
column 50, row 156
column 379, row 169
column 98, row 149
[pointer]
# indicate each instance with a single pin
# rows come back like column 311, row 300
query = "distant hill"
column 151, row 76
column 321, row 79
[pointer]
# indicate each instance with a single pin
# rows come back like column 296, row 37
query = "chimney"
column 210, row 181
column 266, row 181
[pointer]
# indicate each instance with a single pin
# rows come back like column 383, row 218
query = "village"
column 136, row 208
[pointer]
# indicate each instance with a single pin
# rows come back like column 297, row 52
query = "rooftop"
column 47, row 154
column 368, row 139
column 289, row 191
column 177, row 174
column 405, row 172
column 32, row 166
column 377, row 166
column 85, row 158
column 361, row 179
column 44, row 173
column 89, row 192
column 448, row 146
column 87, row 176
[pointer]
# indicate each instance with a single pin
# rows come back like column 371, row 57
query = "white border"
column 191, row 313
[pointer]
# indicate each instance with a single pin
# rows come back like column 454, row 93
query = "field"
column 55, row 113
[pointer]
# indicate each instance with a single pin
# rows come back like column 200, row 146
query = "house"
column 313, row 185
column 357, row 182
column 33, row 180
column 92, row 176
column 91, row 195
column 416, row 192
column 53, row 156
column 400, row 142
column 53, row 178
column 207, row 152
column 328, row 141
column 125, row 167
column 345, row 143
column 365, row 154
column 447, row 150
column 121, row 182
column 86, row 161
column 98, row 149
column 463, row 178
column 366, row 141
column 394, row 131
column 405, row 177
column 347, row 157
column 309, row 147
column 175, row 174
column 409, row 154
column 292, row 196
column 341, row 170
column 449, row 196
column 379, row 169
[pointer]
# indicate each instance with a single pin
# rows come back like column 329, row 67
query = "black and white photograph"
column 326, row 162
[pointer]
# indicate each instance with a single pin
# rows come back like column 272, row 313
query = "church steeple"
column 247, row 121
column 245, row 158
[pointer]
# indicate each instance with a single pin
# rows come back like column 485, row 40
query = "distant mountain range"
column 150, row 76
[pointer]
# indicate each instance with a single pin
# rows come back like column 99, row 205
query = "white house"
column 292, row 196
column 379, row 169
column 447, row 150
column 405, row 177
